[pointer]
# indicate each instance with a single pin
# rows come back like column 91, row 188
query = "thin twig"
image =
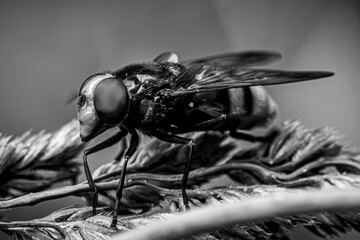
column 210, row 218
column 170, row 181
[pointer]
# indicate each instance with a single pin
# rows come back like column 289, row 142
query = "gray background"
column 49, row 47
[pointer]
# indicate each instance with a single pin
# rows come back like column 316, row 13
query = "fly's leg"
column 134, row 143
column 270, row 133
column 267, row 136
column 120, row 155
column 200, row 126
column 191, row 143
column 105, row 144
column 210, row 122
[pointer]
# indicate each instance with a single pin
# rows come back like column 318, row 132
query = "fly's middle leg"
column 134, row 143
column 121, row 153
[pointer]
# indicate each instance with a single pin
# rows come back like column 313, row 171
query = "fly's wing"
column 215, row 64
column 227, row 71
column 212, row 78
column 238, row 59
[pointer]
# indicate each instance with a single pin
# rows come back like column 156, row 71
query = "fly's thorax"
column 148, row 113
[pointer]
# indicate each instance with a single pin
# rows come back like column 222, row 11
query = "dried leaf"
column 297, row 157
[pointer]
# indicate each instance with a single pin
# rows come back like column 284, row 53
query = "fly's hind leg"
column 207, row 123
column 191, row 143
column 105, row 144
column 266, row 135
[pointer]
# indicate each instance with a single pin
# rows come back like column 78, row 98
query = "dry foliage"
column 224, row 170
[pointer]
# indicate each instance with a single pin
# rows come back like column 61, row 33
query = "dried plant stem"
column 34, row 198
column 140, row 178
column 209, row 218
column 27, row 224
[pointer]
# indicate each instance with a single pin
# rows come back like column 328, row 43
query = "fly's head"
column 103, row 103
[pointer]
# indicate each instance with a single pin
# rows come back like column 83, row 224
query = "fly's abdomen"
column 251, row 107
column 245, row 108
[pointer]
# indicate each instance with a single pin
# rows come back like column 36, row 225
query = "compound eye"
column 111, row 101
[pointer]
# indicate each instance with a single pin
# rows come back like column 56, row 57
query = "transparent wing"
column 238, row 59
column 212, row 79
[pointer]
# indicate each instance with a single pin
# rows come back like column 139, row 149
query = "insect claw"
column 113, row 223
column 187, row 207
column 192, row 143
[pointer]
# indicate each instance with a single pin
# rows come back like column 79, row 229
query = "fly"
column 165, row 97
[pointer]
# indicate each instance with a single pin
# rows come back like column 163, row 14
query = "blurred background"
column 47, row 49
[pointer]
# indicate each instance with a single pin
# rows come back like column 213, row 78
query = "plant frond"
column 35, row 161
column 78, row 222
column 293, row 161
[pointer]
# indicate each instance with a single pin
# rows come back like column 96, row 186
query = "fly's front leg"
column 191, row 143
column 105, row 144
column 266, row 136
column 134, row 143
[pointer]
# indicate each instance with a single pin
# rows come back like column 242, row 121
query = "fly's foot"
column 113, row 223
column 94, row 202
column 187, row 207
column 115, row 214
column 185, row 199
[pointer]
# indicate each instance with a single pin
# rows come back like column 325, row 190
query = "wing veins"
column 253, row 77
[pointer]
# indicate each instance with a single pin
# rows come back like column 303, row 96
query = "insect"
column 165, row 97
